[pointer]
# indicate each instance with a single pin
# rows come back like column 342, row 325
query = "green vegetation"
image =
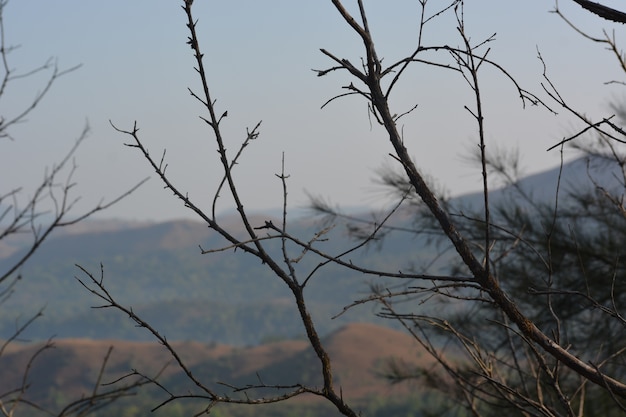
column 186, row 295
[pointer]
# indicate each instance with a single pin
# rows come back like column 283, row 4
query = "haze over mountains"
column 159, row 271
column 221, row 297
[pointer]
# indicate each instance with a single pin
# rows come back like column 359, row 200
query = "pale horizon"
column 137, row 67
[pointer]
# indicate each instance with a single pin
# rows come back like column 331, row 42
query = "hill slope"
column 157, row 269
column 360, row 352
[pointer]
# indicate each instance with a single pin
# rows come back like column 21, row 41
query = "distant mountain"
column 13, row 243
column 360, row 362
column 226, row 297
column 574, row 177
column 159, row 271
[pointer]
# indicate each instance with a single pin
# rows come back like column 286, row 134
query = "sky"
column 259, row 56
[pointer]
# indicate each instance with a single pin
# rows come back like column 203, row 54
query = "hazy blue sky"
column 259, row 56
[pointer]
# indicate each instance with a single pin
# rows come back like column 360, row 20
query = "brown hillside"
column 359, row 353
column 71, row 365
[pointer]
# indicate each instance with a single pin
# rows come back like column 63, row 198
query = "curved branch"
column 486, row 280
column 602, row 11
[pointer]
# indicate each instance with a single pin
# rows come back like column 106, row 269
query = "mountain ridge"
column 359, row 367
column 158, row 270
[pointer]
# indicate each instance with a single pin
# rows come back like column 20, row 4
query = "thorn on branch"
column 210, row 123
column 268, row 225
